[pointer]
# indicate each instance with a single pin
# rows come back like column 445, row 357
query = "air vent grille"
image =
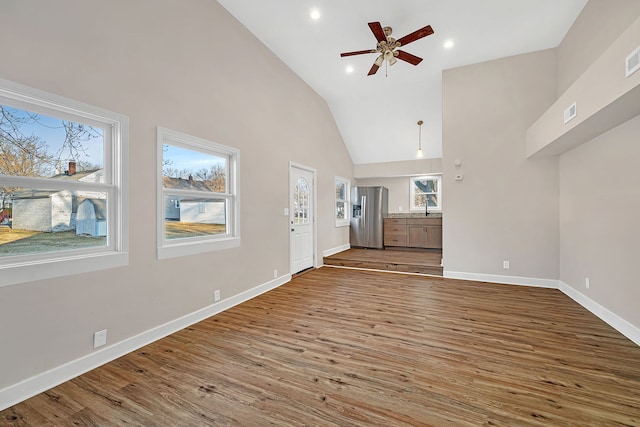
column 570, row 113
column 633, row 62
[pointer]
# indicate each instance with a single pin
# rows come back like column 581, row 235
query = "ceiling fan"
column 387, row 46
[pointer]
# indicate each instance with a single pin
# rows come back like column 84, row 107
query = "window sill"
column 342, row 223
column 193, row 248
column 13, row 274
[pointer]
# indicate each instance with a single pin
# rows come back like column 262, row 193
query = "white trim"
column 336, row 250
column 23, row 390
column 508, row 280
column 616, row 322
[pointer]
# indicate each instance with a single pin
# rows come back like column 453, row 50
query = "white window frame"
column 347, row 202
column 47, row 265
column 412, row 193
column 169, row 248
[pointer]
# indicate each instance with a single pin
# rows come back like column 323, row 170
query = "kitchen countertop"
column 413, row 215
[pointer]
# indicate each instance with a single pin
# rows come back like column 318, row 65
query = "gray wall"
column 161, row 64
column 599, row 193
column 599, row 233
column 506, row 207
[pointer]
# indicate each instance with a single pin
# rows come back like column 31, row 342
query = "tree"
column 25, row 153
column 214, row 177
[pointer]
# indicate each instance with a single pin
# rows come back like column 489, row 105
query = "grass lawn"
column 13, row 242
column 177, row 229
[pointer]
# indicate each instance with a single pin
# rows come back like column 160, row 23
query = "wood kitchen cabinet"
column 413, row 232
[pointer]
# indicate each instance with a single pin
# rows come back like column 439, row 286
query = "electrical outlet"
column 586, row 283
column 216, row 296
column 275, row 274
column 505, row 265
column 99, row 338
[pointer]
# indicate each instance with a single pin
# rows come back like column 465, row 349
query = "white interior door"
column 301, row 218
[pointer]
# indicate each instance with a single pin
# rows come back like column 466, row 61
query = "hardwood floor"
column 423, row 261
column 338, row 347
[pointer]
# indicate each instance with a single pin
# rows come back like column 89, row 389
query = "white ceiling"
column 377, row 115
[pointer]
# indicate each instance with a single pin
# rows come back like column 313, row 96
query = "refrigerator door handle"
column 364, row 210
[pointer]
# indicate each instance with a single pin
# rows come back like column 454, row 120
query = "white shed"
column 92, row 217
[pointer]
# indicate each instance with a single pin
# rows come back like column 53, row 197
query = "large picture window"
column 198, row 209
column 62, row 186
column 425, row 193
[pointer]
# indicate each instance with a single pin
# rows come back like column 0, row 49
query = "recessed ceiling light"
column 314, row 14
column 448, row 44
column 349, row 69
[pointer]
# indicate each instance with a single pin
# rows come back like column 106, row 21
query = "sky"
column 51, row 131
column 182, row 158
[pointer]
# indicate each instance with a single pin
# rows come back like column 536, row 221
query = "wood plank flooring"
column 338, row 347
column 402, row 260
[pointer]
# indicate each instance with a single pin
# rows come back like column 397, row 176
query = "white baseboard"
column 509, row 280
column 335, row 250
column 23, row 390
column 616, row 322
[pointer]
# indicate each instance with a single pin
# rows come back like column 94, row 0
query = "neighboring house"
column 203, row 211
column 52, row 211
column 42, row 210
column 91, row 218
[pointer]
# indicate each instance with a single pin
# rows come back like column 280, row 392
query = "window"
column 301, row 202
column 198, row 197
column 62, row 186
column 426, row 193
column 342, row 201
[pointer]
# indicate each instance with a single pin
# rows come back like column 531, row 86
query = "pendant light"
column 419, row 139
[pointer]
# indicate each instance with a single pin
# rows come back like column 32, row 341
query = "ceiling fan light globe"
column 379, row 60
column 392, row 61
column 419, row 154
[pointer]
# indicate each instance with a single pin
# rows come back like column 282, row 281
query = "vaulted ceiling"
column 377, row 115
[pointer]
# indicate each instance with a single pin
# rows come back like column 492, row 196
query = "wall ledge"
column 605, row 98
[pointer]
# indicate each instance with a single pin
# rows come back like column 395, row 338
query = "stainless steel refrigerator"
column 369, row 206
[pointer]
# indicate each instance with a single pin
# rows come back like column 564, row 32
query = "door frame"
column 314, row 204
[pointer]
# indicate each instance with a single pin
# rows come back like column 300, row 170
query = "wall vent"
column 570, row 113
column 633, row 62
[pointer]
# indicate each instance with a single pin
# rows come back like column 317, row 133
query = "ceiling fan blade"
column 358, row 52
column 378, row 32
column 418, row 34
column 378, row 62
column 407, row 57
